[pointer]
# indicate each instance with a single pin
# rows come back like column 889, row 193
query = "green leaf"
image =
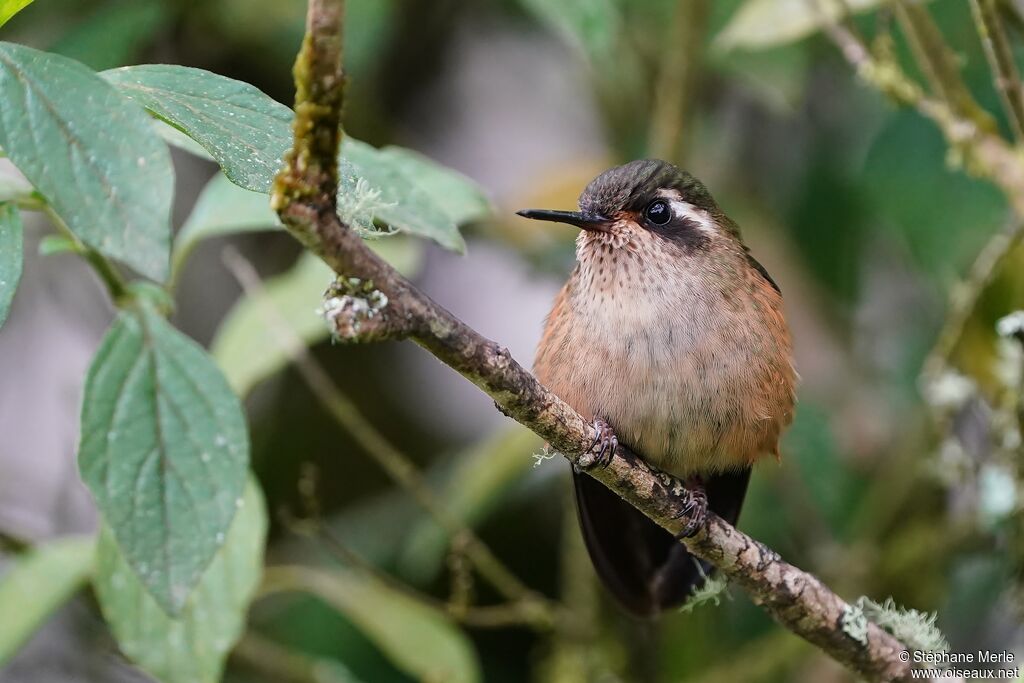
column 455, row 194
column 418, row 639
column 191, row 647
column 164, row 450
column 91, row 153
column 760, row 24
column 246, row 131
column 245, row 345
column 482, row 477
column 8, row 8
column 385, row 186
column 38, row 582
column 589, row 25
column 10, row 255
column 223, row 208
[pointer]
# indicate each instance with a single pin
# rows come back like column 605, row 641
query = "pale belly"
column 691, row 384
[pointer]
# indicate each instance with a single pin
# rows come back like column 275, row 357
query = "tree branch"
column 392, row 307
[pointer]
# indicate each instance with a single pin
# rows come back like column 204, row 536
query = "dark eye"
column 657, row 212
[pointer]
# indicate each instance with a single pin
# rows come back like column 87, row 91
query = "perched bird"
column 670, row 333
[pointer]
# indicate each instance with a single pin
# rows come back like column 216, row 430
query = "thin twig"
column 1001, row 61
column 303, row 198
column 306, row 579
column 402, row 470
column 480, row 616
column 106, row 270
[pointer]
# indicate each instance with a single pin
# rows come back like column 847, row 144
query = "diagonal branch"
column 374, row 302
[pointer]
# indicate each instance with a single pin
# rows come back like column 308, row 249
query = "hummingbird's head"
column 644, row 201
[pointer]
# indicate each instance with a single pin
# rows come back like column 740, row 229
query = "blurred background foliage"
column 899, row 478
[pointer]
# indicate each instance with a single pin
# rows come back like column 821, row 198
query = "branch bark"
column 391, row 307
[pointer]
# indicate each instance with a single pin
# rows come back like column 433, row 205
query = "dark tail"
column 642, row 565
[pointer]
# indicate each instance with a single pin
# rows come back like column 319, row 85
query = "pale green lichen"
column 915, row 629
column 855, row 623
column 358, row 204
column 545, row 454
column 710, row 590
column 358, row 300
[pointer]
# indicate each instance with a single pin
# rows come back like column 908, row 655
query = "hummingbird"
column 671, row 338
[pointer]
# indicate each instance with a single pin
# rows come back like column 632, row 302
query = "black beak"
column 577, row 218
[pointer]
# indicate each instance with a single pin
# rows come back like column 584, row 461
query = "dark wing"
column 644, row 566
column 756, row 265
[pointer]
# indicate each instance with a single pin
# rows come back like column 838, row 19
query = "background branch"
column 940, row 64
column 984, row 152
column 304, row 198
column 1001, row 61
column 528, row 604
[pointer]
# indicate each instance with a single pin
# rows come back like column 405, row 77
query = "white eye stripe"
column 690, row 212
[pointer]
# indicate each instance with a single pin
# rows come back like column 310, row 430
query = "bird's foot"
column 695, row 510
column 602, row 448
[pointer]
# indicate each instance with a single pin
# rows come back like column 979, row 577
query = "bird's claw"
column 695, row 511
column 602, row 449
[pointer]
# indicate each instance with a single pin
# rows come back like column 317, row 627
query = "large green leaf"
column 457, row 196
column 10, row 255
column 765, row 23
column 419, row 639
column 164, row 450
column 246, row 131
column 8, row 8
column 246, row 345
column 38, row 583
column 482, row 476
column 191, row 647
column 222, row 208
column 91, row 152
